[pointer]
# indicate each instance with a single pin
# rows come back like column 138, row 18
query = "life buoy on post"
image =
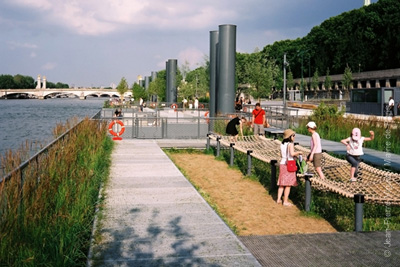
column 116, row 134
column 207, row 117
column 175, row 107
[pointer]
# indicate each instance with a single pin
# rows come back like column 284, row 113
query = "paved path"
column 154, row 217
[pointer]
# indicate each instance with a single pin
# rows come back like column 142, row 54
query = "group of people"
column 354, row 148
column 194, row 103
column 287, row 179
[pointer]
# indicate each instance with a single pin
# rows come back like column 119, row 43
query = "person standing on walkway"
column 315, row 155
column 141, row 104
column 231, row 127
column 286, row 179
column 258, row 120
column 196, row 103
column 354, row 145
column 391, row 106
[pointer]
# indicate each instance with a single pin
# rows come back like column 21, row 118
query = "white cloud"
column 49, row 66
column 33, row 55
column 13, row 45
column 191, row 55
column 97, row 17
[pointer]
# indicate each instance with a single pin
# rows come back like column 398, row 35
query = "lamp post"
column 285, row 64
column 301, row 53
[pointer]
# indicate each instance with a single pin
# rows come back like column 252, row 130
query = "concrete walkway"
column 154, row 217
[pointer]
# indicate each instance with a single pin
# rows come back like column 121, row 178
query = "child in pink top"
column 316, row 149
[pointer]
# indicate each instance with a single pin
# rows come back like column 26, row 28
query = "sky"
column 94, row 43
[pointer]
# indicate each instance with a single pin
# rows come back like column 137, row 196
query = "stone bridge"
column 82, row 93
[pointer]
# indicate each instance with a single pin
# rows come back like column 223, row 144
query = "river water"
column 34, row 120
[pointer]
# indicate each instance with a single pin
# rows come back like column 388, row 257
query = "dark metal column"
column 167, row 83
column 226, row 71
column 172, row 70
column 213, row 72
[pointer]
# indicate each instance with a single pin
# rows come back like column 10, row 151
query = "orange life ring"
column 174, row 106
column 110, row 128
column 206, row 116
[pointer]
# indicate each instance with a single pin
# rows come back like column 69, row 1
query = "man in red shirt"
column 258, row 120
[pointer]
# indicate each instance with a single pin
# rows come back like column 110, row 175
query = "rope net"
column 376, row 185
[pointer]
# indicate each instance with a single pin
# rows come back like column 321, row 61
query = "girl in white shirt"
column 354, row 147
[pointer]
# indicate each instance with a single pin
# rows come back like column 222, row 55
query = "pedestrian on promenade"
column 286, row 179
column 141, row 104
column 118, row 113
column 196, row 103
column 232, row 130
column 391, row 106
column 258, row 120
column 315, row 155
column 354, row 145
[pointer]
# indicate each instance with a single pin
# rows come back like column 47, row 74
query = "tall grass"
column 47, row 209
column 332, row 125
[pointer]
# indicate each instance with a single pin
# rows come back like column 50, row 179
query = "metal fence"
column 181, row 123
column 36, row 160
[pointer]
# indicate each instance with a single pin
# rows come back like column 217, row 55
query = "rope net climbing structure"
column 377, row 186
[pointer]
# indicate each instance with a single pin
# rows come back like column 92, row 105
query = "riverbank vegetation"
column 47, row 210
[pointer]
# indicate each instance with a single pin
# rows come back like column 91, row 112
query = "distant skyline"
column 97, row 42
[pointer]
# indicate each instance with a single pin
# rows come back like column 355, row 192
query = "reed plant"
column 333, row 125
column 47, row 209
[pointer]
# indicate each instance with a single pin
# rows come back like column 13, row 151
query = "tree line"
column 25, row 82
column 364, row 39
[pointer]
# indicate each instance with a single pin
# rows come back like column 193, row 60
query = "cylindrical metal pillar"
column 213, row 72
column 226, row 69
column 208, row 142
column 358, row 212
column 232, row 154
column 172, row 70
column 308, row 192
column 273, row 184
column 167, row 83
column 249, row 158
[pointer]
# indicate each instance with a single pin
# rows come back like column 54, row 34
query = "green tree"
column 7, row 82
column 24, row 82
column 315, row 81
column 260, row 73
column 328, row 80
column 139, row 92
column 347, row 80
column 289, row 80
column 122, row 87
column 158, row 86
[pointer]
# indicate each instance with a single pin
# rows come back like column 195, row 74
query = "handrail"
column 37, row 154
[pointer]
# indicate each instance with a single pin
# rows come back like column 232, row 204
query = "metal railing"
column 35, row 159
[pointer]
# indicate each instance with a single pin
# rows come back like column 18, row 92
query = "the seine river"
column 34, row 120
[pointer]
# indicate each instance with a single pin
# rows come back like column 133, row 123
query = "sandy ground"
column 243, row 202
